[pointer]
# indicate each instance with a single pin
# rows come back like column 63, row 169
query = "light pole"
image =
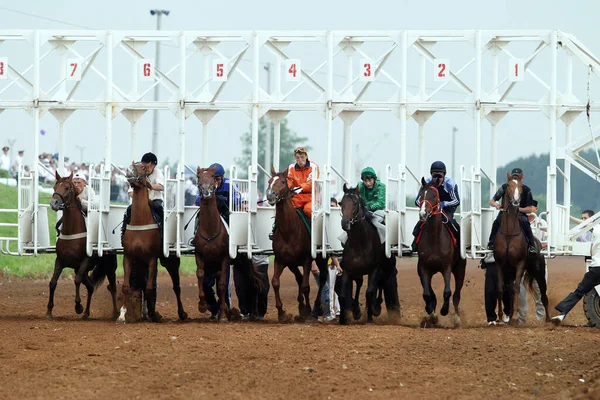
column 159, row 14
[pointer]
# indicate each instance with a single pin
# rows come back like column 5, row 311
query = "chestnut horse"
column 71, row 250
column 364, row 254
column 291, row 246
column 510, row 253
column 211, row 243
column 437, row 253
column 142, row 246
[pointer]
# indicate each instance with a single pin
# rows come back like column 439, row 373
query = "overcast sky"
column 376, row 135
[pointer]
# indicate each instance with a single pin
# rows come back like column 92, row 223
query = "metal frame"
column 483, row 97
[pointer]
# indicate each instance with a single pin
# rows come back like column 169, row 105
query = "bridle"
column 283, row 195
column 137, row 178
column 434, row 208
column 65, row 197
column 358, row 216
column 207, row 189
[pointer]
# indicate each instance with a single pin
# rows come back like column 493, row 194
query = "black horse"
column 364, row 254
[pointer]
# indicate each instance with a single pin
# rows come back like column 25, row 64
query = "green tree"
column 288, row 142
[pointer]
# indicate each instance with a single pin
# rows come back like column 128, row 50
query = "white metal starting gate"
column 337, row 74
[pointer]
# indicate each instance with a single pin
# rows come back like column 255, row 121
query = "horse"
column 211, row 242
column 437, row 253
column 71, row 250
column 510, row 253
column 142, row 247
column 291, row 246
column 364, row 254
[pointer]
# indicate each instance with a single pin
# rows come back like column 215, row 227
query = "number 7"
column 74, row 66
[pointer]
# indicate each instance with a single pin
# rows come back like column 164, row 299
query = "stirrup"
column 531, row 249
column 271, row 236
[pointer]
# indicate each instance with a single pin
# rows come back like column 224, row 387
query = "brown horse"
column 142, row 246
column 437, row 253
column 510, row 252
column 71, row 250
column 291, row 245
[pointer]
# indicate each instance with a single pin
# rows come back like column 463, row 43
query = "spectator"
column 18, row 162
column 586, row 236
column 5, row 159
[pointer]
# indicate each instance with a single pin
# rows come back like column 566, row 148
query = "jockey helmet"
column 368, row 172
column 516, row 171
column 438, row 166
column 149, row 158
column 300, row 149
column 219, row 170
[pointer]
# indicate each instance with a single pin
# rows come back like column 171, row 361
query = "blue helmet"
column 219, row 170
column 438, row 166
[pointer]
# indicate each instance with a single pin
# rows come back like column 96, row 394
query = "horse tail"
column 533, row 269
column 99, row 273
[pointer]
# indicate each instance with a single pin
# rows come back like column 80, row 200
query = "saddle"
column 448, row 226
column 304, row 219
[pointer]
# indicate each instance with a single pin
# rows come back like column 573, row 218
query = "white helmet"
column 80, row 175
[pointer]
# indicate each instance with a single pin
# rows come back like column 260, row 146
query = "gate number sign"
column 441, row 70
column 366, row 70
column 516, row 70
column 220, row 70
column 146, row 70
column 293, row 70
column 74, row 67
column 3, row 68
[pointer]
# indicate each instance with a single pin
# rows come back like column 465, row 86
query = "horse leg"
column 516, row 290
column 499, row 290
column 425, row 278
column 447, row 291
column 53, row 283
column 84, row 278
column 150, row 294
column 172, row 265
column 345, row 297
column 323, row 280
column 111, row 275
column 125, row 287
column 459, row 277
column 356, row 311
column 200, row 276
column 275, row 282
column 77, row 282
column 304, row 306
column 371, row 294
column 222, row 290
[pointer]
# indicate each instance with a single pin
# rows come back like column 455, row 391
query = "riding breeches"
column 304, row 202
column 525, row 225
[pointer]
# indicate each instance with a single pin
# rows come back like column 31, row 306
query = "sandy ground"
column 70, row 358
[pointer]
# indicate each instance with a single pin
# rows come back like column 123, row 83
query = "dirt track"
column 70, row 358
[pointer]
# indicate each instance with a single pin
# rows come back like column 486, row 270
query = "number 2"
column 442, row 68
column 74, row 66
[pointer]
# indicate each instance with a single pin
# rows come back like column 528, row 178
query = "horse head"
column 278, row 187
column 136, row 175
column 430, row 200
column 64, row 192
column 206, row 181
column 352, row 207
column 514, row 190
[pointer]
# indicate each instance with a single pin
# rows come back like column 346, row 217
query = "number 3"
column 367, row 72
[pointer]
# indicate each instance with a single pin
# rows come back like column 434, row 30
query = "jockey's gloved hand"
column 222, row 198
column 442, row 205
column 297, row 189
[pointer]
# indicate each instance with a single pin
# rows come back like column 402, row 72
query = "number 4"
column 293, row 70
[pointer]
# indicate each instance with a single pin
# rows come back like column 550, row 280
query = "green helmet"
column 368, row 173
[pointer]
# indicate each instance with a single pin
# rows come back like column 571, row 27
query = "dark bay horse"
column 291, row 245
column 211, row 243
column 437, row 253
column 364, row 254
column 71, row 250
column 142, row 247
column 510, row 253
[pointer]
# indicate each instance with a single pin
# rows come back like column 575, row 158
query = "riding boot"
column 126, row 219
column 272, row 234
column 415, row 232
column 57, row 226
column 530, row 238
column 495, row 227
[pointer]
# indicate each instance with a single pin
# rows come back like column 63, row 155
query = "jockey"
column 449, row 199
column 526, row 206
column 157, row 181
column 372, row 191
column 222, row 192
column 300, row 180
column 83, row 192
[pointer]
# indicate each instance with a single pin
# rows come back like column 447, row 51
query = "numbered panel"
column 293, row 70
column 3, row 68
column 146, row 70
column 73, row 69
column 516, row 70
column 220, row 70
column 441, row 70
column 367, row 70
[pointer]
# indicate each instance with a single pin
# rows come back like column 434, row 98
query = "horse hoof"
column 183, row 316
column 154, row 318
column 444, row 310
column 425, row 323
column 457, row 321
column 121, row 320
column 78, row 308
column 85, row 316
column 285, row 318
column 202, row 307
column 434, row 319
column 357, row 314
column 49, row 316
